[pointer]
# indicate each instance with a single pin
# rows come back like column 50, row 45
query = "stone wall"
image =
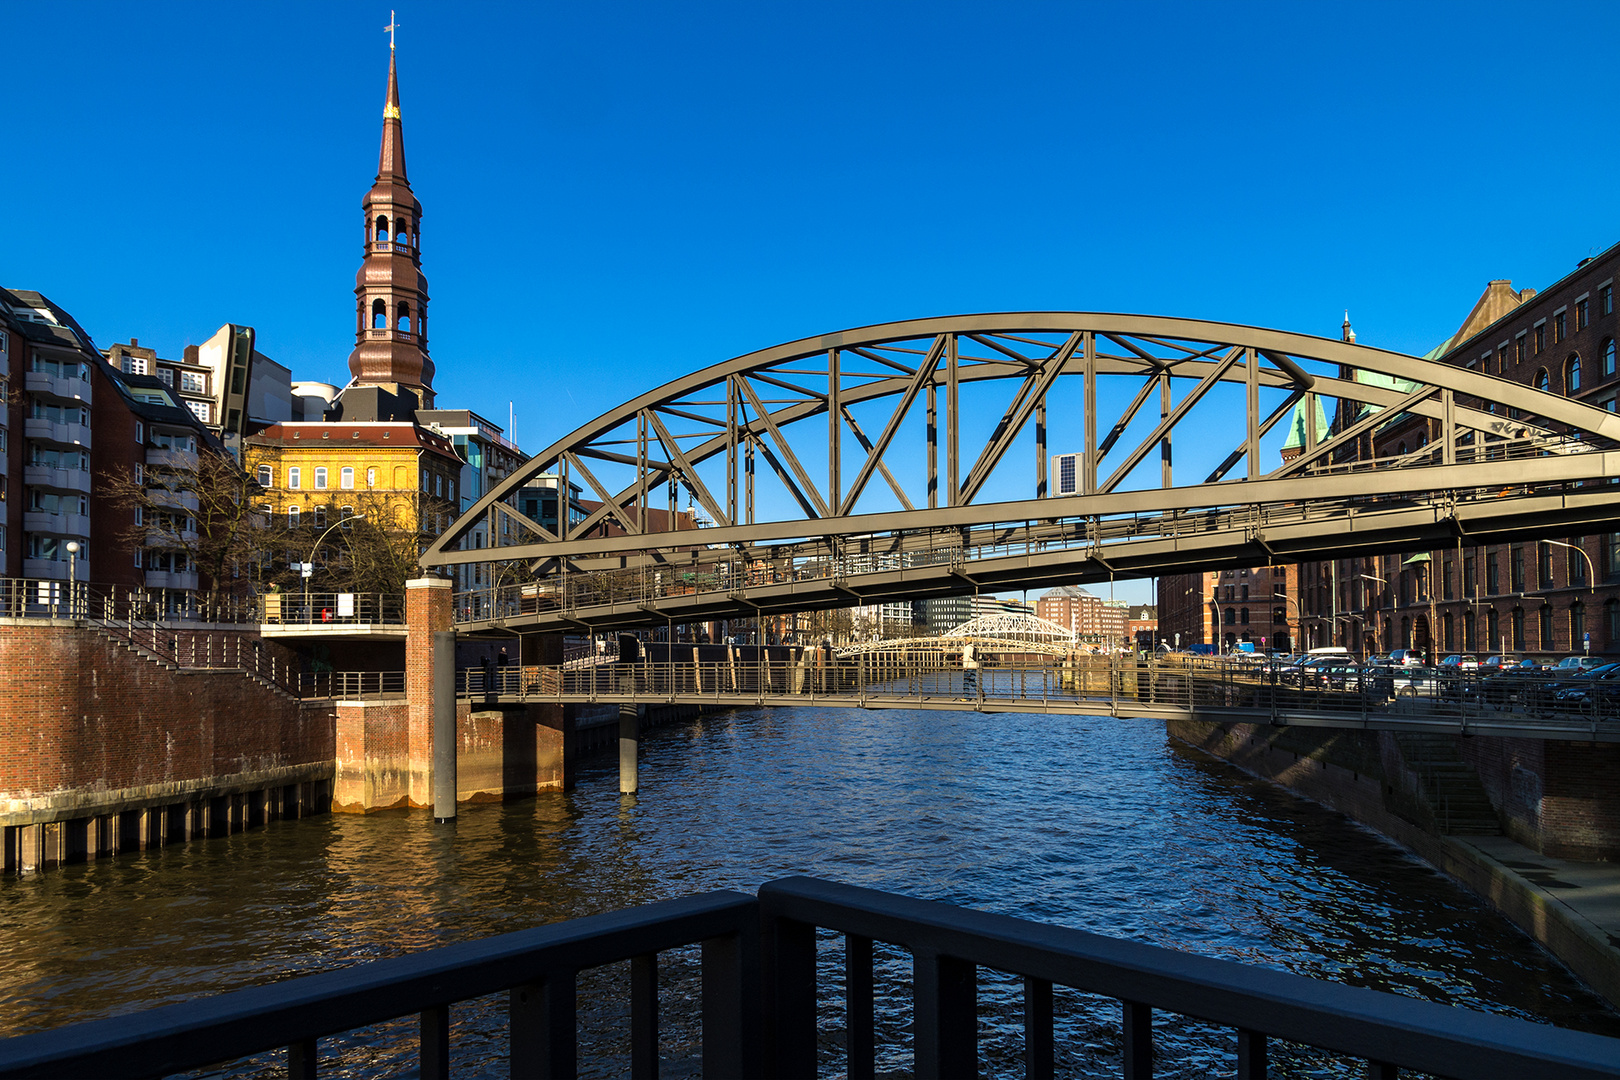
column 1558, row 798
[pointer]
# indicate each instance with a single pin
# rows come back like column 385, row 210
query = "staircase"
column 1450, row 786
column 127, row 641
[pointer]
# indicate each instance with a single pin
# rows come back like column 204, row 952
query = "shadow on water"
column 1083, row 821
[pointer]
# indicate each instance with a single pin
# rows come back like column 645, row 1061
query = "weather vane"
column 393, row 24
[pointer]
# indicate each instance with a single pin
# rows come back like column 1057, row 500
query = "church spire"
column 391, row 161
column 391, row 293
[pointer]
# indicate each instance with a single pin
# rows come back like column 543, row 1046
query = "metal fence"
column 351, row 685
column 1561, row 705
column 331, row 608
column 759, row 999
column 46, row 598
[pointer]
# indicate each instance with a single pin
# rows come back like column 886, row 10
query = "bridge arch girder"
column 828, row 416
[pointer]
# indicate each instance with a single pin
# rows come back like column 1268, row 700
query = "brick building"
column 1257, row 604
column 1543, row 597
column 1088, row 616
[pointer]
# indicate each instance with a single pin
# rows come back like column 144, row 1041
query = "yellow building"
column 399, row 476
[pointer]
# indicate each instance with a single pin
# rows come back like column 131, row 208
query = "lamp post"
column 1298, row 618
column 73, row 577
column 1591, row 579
column 1423, row 557
column 309, row 567
column 1381, row 581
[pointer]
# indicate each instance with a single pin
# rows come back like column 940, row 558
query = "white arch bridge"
column 1000, row 633
column 911, row 460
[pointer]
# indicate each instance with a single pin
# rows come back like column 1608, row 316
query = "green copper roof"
column 1296, row 425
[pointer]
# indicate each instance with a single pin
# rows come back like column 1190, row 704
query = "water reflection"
column 1088, row 822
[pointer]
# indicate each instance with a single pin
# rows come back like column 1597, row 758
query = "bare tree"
column 209, row 512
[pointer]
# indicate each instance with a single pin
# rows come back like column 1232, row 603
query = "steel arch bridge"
column 880, row 463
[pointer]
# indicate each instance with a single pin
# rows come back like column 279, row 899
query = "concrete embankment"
column 1424, row 794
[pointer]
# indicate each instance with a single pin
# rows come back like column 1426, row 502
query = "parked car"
column 1600, row 682
column 1459, row 662
column 1570, row 665
column 1509, row 682
column 1406, row 658
column 1325, row 673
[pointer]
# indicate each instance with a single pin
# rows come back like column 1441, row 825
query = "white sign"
column 345, row 605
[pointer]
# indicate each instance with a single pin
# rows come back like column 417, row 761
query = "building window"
column 1493, row 631
column 1516, row 569
column 292, row 517
column 1544, row 626
column 344, row 514
column 320, row 517
column 1445, row 580
column 320, row 478
column 267, row 476
column 1577, row 563
column 1544, row 579
column 1447, row 641
column 1540, row 333
column 1583, row 313
column 134, row 365
column 1577, row 624
column 1243, row 616
column 1558, row 327
column 1501, row 359
column 202, row 410
column 371, row 478
column 1468, row 575
column 1608, row 357
column 1606, row 300
column 167, row 375
column 1543, row 383
column 140, row 432
column 346, row 478
column 294, row 477
column 1572, row 373
column 1518, row 349
column 1468, row 632
column 194, row 382
column 1518, row 629
column 1611, row 616
column 1611, row 555
column 379, row 315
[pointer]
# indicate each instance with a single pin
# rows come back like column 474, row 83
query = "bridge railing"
column 722, row 571
column 331, row 608
column 1033, row 682
column 49, row 598
column 351, row 685
column 760, row 1006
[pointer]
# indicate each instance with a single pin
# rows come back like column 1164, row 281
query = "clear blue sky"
column 615, row 194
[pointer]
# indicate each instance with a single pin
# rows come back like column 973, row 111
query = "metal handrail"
column 295, row 608
column 948, row 943
column 52, row 598
column 351, row 685
column 759, row 1000
column 537, row 967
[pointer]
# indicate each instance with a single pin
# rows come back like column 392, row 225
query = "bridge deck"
column 1084, row 687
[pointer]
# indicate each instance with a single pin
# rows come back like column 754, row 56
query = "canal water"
column 1081, row 821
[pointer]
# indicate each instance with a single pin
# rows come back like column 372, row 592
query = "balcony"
column 57, row 479
column 176, row 500
column 171, row 579
column 390, row 247
column 52, row 569
column 67, row 387
column 43, row 521
column 397, row 335
column 49, row 431
column 165, row 457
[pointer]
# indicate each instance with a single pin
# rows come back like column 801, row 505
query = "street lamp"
column 1381, row 581
column 1591, row 571
column 308, row 568
column 1298, row 617
column 1423, row 557
column 73, row 577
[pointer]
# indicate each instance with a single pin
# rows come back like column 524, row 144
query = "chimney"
column 191, row 354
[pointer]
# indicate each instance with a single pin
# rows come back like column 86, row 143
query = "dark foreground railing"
column 759, row 999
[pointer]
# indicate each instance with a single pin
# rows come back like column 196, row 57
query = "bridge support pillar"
column 429, row 630
column 629, row 748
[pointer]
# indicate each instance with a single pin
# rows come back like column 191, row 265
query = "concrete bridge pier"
column 629, row 717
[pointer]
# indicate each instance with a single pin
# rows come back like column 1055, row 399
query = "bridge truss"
column 911, row 459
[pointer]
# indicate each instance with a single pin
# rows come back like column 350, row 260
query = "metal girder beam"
column 866, row 444
column 610, row 504
column 1354, row 431
column 1243, row 448
column 1494, row 475
column 688, row 474
column 1168, row 423
column 809, row 489
column 1286, row 352
column 1033, row 391
column 874, row 454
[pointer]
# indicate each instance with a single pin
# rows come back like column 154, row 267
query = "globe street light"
column 73, row 555
column 1385, row 584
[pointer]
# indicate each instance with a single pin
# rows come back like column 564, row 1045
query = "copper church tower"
column 391, row 293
